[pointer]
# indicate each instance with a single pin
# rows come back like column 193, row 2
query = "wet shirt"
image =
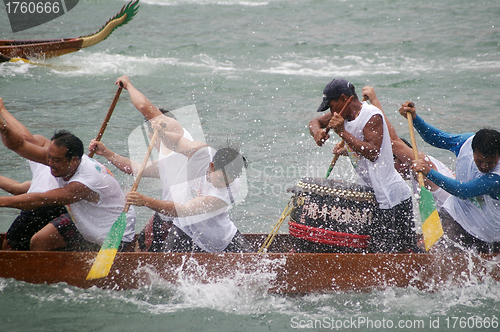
column 389, row 187
column 94, row 220
column 474, row 203
column 214, row 230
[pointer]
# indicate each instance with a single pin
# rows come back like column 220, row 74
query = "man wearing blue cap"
column 367, row 142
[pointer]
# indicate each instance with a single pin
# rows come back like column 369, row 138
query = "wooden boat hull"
column 24, row 49
column 31, row 49
column 288, row 273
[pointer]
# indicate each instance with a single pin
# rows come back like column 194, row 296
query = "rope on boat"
column 274, row 231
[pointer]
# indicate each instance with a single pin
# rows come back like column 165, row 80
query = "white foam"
column 196, row 287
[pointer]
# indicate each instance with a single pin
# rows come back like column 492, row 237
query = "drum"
column 331, row 216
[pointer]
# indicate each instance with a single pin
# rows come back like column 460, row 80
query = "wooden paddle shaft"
column 414, row 146
column 108, row 116
column 143, row 165
column 336, row 156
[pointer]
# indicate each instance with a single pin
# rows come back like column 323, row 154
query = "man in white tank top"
column 368, row 144
column 404, row 156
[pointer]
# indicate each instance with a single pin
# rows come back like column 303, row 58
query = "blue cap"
column 333, row 90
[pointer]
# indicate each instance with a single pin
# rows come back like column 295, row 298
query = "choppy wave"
column 101, row 64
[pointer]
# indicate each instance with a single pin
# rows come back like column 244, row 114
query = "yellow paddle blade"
column 106, row 255
column 30, row 62
column 431, row 225
column 102, row 264
column 20, row 60
column 432, row 230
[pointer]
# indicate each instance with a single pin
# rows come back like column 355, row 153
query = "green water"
column 255, row 71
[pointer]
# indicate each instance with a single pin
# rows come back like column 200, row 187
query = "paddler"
column 170, row 168
column 471, row 216
column 365, row 133
column 92, row 195
column 210, row 185
column 403, row 156
column 29, row 222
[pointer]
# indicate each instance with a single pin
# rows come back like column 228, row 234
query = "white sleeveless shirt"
column 389, row 187
column 94, row 220
column 479, row 216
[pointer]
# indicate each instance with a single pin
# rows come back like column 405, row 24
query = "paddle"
column 431, row 225
column 108, row 116
column 106, row 255
column 270, row 237
column 336, row 156
column 30, row 62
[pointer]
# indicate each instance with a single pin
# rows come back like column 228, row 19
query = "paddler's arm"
column 399, row 148
column 173, row 140
column 122, row 163
column 14, row 187
column 373, row 134
column 317, row 128
column 71, row 193
column 17, row 138
column 19, row 129
column 138, row 99
column 431, row 134
column 196, row 206
column 370, row 95
column 486, row 184
column 147, row 109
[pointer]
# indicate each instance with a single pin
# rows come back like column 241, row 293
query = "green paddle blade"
column 431, row 225
column 106, row 256
column 328, row 172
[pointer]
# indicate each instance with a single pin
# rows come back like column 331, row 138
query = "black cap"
column 333, row 90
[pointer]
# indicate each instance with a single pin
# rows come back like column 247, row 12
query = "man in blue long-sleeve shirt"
column 471, row 216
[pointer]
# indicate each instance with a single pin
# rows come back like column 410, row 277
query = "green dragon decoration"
column 123, row 17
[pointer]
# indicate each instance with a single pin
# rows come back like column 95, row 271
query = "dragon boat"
column 326, row 250
column 12, row 50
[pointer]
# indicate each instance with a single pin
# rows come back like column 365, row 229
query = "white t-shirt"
column 42, row 179
column 389, row 187
column 440, row 195
column 479, row 216
column 94, row 220
column 211, row 231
